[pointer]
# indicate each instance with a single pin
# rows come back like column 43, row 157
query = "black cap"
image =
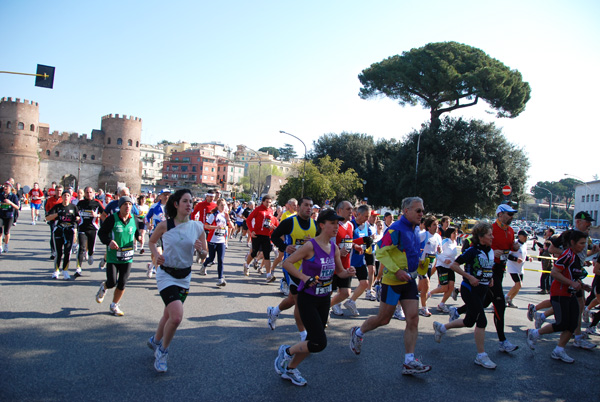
column 522, row 233
column 585, row 216
column 44, row 77
column 387, row 214
column 328, row 215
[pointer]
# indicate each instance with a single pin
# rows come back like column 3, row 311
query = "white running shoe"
column 531, row 339
column 246, row 270
column 583, row 344
column 539, row 319
column 453, row 314
column 586, row 315
column 272, row 317
column 507, row 347
column 437, row 328
column 455, row 294
column 485, row 362
column 221, row 282
column 337, row 309
column 101, row 293
column 284, row 287
column 530, row 311
column 562, row 355
column 424, row 311
column 149, row 270
column 66, row 275
column 160, row 362
column 351, row 305
column 442, row 308
column 399, row 314
column 294, row 376
column 5, row 248
column 591, row 331
column 202, row 270
column 355, row 341
column 56, row 275
column 115, row 309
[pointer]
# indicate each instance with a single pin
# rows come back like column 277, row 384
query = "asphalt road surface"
column 58, row 344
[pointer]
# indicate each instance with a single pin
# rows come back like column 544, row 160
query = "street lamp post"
column 259, row 167
column 304, row 168
column 550, row 203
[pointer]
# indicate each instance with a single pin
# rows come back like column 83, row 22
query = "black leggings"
column 496, row 296
column 566, row 313
column 594, row 292
column 473, row 299
column 314, row 312
column 63, row 242
column 87, row 240
column 117, row 274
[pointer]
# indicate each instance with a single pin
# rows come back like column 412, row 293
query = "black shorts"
column 5, row 225
column 261, row 243
column 141, row 224
column 445, row 275
column 517, row 277
column 340, row 283
column 362, row 273
column 370, row 259
column 173, row 293
column 392, row 294
column 293, row 284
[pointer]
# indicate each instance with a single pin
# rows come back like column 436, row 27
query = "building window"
column 193, row 168
column 108, row 141
column 20, row 126
column 56, row 153
column 184, row 168
column 8, row 125
column 31, row 127
column 130, row 143
column 597, row 195
column 47, row 152
column 93, row 157
column 173, row 176
column 119, row 141
column 174, row 168
column 137, row 144
column 84, row 156
column 587, row 198
column 167, row 168
column 193, row 177
column 213, row 169
column 184, row 176
column 583, row 198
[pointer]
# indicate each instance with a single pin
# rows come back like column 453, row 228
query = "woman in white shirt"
column 446, row 276
column 514, row 266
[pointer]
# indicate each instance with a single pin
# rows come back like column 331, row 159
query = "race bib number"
column 504, row 255
column 346, row 244
column 323, row 290
column 220, row 232
column 125, row 254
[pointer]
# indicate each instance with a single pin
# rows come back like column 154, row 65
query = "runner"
column 245, row 215
column 344, row 241
column 320, row 258
column 295, row 231
column 66, row 216
column 216, row 224
column 118, row 233
column 9, row 203
column 143, row 208
column 51, row 201
column 431, row 243
column 399, row 253
column 568, row 274
column 446, row 276
column 239, row 220
column 155, row 215
column 36, row 197
column 90, row 210
column 514, row 266
column 260, row 229
column 180, row 237
column 477, row 277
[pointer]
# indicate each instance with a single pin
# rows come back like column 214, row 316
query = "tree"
column 271, row 151
column 441, row 75
column 562, row 190
column 324, row 181
column 287, row 152
column 462, row 170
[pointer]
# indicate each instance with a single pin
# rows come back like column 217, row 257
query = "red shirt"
column 344, row 235
column 202, row 209
column 259, row 219
column 566, row 260
column 503, row 240
column 51, row 192
column 51, row 202
column 36, row 193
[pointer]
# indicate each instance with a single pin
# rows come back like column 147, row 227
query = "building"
column 229, row 175
column 587, row 198
column 30, row 152
column 191, row 167
column 152, row 158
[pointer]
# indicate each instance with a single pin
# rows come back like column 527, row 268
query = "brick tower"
column 121, row 155
column 19, row 123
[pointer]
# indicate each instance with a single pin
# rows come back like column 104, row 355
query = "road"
column 58, row 344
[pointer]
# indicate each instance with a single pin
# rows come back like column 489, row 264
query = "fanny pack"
column 177, row 273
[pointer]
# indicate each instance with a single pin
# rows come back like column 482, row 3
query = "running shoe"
column 370, row 296
column 142, row 251
column 260, row 271
column 530, row 311
column 102, row 263
column 399, row 314
column 415, row 367
column 202, row 270
column 453, row 314
column 101, row 293
column 56, row 275
column 115, row 309
column 272, row 317
column 270, row 278
column 282, row 360
column 509, row 303
column 66, row 275
column 1, row 250
column 337, row 309
column 255, row 263
column 424, row 311
column 586, row 315
column 246, row 268
column 442, row 308
column 355, row 341
column 531, row 339
column 562, row 355
column 591, row 331
column 351, row 305
column 484, row 361
column 506, row 346
column 455, row 294
column 153, row 345
column 135, row 247
column 378, row 291
column 160, row 362
column 5, row 248
column 33, row 223
column 221, row 282
column 149, row 269
column 77, row 273
column 284, row 287
column 90, row 260
column 437, row 328
column 294, row 376
column 539, row 319
column 583, row 344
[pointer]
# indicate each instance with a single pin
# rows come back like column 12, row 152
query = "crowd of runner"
column 319, row 251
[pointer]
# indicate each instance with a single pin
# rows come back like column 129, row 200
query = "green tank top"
column 123, row 234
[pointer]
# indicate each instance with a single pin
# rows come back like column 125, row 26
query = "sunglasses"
column 420, row 211
column 510, row 213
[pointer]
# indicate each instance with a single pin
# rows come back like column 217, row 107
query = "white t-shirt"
column 448, row 253
column 432, row 241
column 513, row 267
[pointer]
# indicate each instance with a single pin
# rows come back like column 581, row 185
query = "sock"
column 443, row 329
column 359, row 333
column 481, row 355
column 161, row 349
column 578, row 337
column 287, row 352
column 535, row 333
column 303, row 334
column 276, row 310
column 558, row 349
column 409, row 357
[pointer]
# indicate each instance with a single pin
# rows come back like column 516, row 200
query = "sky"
column 238, row 72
